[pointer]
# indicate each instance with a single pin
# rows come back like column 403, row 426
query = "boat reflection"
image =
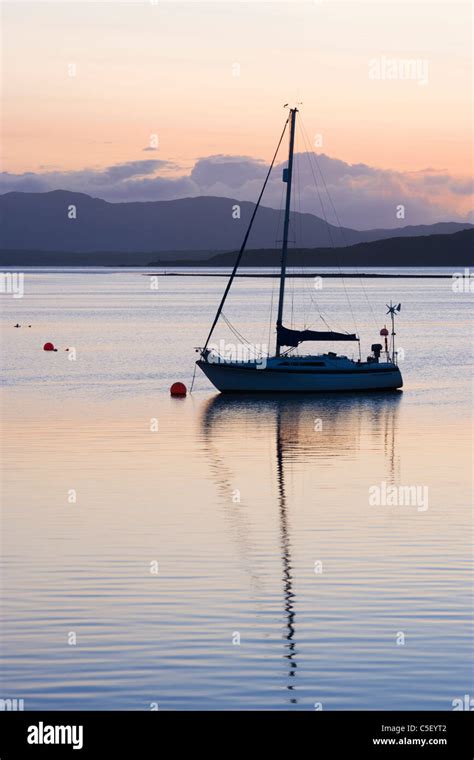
column 293, row 422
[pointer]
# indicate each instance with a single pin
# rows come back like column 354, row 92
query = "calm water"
column 237, row 518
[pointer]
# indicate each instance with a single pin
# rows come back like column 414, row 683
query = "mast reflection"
column 288, row 594
column 292, row 418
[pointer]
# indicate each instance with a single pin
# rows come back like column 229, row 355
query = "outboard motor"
column 376, row 348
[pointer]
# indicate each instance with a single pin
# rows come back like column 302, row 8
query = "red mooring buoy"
column 48, row 347
column 178, row 389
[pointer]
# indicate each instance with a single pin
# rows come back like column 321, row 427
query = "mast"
column 284, row 250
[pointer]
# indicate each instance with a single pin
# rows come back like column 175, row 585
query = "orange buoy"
column 48, row 347
column 178, row 389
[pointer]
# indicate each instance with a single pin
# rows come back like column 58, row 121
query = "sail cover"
column 292, row 338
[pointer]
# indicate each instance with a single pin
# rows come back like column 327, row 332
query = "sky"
column 155, row 99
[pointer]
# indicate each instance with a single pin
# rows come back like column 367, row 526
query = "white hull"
column 309, row 374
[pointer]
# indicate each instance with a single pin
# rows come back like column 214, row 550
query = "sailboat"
column 288, row 372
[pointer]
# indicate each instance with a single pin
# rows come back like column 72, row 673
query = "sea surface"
column 221, row 552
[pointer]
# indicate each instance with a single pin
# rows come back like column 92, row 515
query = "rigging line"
column 299, row 232
column 346, row 244
column 306, row 287
column 271, row 314
column 293, row 225
column 245, row 341
column 310, row 153
column 328, row 327
column 344, row 236
column 277, row 232
column 244, row 243
column 297, row 237
column 323, row 210
column 234, row 329
column 270, row 323
column 325, row 216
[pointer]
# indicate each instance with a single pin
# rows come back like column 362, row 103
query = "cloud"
column 463, row 187
column 120, row 172
column 364, row 196
column 230, row 171
column 130, row 181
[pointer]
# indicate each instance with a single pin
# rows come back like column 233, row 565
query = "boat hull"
column 250, row 378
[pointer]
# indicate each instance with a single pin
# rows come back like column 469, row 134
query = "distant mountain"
column 455, row 250
column 192, row 227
